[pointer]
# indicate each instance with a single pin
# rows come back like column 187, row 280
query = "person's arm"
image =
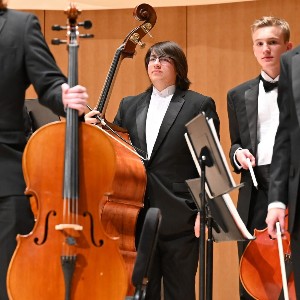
column 237, row 154
column 74, row 97
column 279, row 171
column 118, row 118
column 240, row 158
column 89, row 118
column 44, row 74
column 275, row 215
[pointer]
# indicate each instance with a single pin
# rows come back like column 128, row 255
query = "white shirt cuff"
column 234, row 159
column 276, row 204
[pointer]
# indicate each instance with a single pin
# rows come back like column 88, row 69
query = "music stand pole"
column 205, row 259
column 209, row 258
column 202, row 248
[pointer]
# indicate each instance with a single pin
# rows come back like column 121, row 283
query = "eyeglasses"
column 163, row 60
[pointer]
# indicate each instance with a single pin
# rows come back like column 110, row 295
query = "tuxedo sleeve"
column 41, row 67
column 233, row 130
column 279, row 171
column 118, row 118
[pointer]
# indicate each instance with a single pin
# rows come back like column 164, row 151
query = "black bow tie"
column 269, row 86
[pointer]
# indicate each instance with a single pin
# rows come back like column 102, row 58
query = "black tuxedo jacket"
column 24, row 59
column 285, row 166
column 171, row 162
column 242, row 108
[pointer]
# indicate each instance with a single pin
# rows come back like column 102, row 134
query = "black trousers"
column 16, row 217
column 175, row 262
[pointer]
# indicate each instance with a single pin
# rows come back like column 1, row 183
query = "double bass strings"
column 103, row 123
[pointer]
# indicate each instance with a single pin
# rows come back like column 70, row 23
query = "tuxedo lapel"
column 169, row 118
column 141, row 116
column 296, row 82
column 251, row 103
column 2, row 20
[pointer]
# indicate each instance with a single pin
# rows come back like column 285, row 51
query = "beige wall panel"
column 220, row 57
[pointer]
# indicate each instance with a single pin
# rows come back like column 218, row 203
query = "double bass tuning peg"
column 142, row 44
column 135, row 38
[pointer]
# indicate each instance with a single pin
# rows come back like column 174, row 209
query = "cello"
column 121, row 207
column 68, row 255
column 260, row 271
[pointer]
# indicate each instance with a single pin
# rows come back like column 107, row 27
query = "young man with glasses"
column 155, row 120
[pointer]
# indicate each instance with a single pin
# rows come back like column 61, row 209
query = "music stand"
column 218, row 213
column 39, row 114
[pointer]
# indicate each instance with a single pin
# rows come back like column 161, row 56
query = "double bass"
column 121, row 207
column 68, row 255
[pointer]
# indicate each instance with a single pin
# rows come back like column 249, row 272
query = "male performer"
column 24, row 59
column 285, row 166
column 155, row 120
column 253, row 119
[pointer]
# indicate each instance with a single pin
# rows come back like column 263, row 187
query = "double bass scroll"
column 143, row 12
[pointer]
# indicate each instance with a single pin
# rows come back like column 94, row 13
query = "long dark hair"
column 172, row 50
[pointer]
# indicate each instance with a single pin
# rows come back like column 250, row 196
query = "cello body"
column 36, row 271
column 260, row 271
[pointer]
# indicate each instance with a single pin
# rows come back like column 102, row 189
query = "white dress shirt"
column 158, row 106
column 267, row 121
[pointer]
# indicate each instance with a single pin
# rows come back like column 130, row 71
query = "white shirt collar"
column 267, row 77
column 170, row 90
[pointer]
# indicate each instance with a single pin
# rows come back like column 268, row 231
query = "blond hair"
column 266, row 21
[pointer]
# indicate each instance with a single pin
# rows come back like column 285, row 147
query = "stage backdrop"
column 217, row 41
